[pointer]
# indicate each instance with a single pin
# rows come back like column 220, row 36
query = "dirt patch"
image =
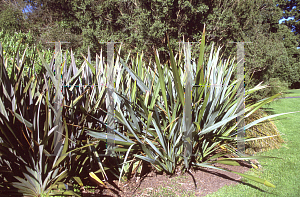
column 199, row 182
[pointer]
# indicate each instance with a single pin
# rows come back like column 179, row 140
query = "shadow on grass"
column 237, row 181
column 268, row 110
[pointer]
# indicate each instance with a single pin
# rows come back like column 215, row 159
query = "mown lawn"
column 284, row 172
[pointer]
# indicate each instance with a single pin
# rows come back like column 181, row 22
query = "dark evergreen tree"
column 142, row 24
column 11, row 17
column 291, row 8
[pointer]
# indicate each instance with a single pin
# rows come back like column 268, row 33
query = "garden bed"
column 207, row 181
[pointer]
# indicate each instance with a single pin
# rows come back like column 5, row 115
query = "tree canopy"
column 291, row 8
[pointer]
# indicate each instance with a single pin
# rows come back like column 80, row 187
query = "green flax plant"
column 26, row 133
column 167, row 104
column 124, row 85
column 11, row 44
column 29, row 117
column 27, row 43
column 154, row 109
column 93, row 117
column 85, row 113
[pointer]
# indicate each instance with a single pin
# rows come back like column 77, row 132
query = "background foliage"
column 141, row 24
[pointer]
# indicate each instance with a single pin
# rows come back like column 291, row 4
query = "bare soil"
column 199, row 182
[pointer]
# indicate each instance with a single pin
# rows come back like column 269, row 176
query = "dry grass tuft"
column 266, row 128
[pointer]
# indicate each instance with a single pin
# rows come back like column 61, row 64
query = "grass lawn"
column 292, row 93
column 284, row 172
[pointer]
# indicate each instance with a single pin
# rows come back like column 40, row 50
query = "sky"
column 281, row 20
column 290, row 18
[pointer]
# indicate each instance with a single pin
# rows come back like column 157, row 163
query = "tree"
column 291, row 8
column 11, row 16
column 142, row 24
column 139, row 25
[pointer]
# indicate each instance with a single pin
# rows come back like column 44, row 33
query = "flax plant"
column 154, row 112
column 157, row 108
column 29, row 115
column 26, row 133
